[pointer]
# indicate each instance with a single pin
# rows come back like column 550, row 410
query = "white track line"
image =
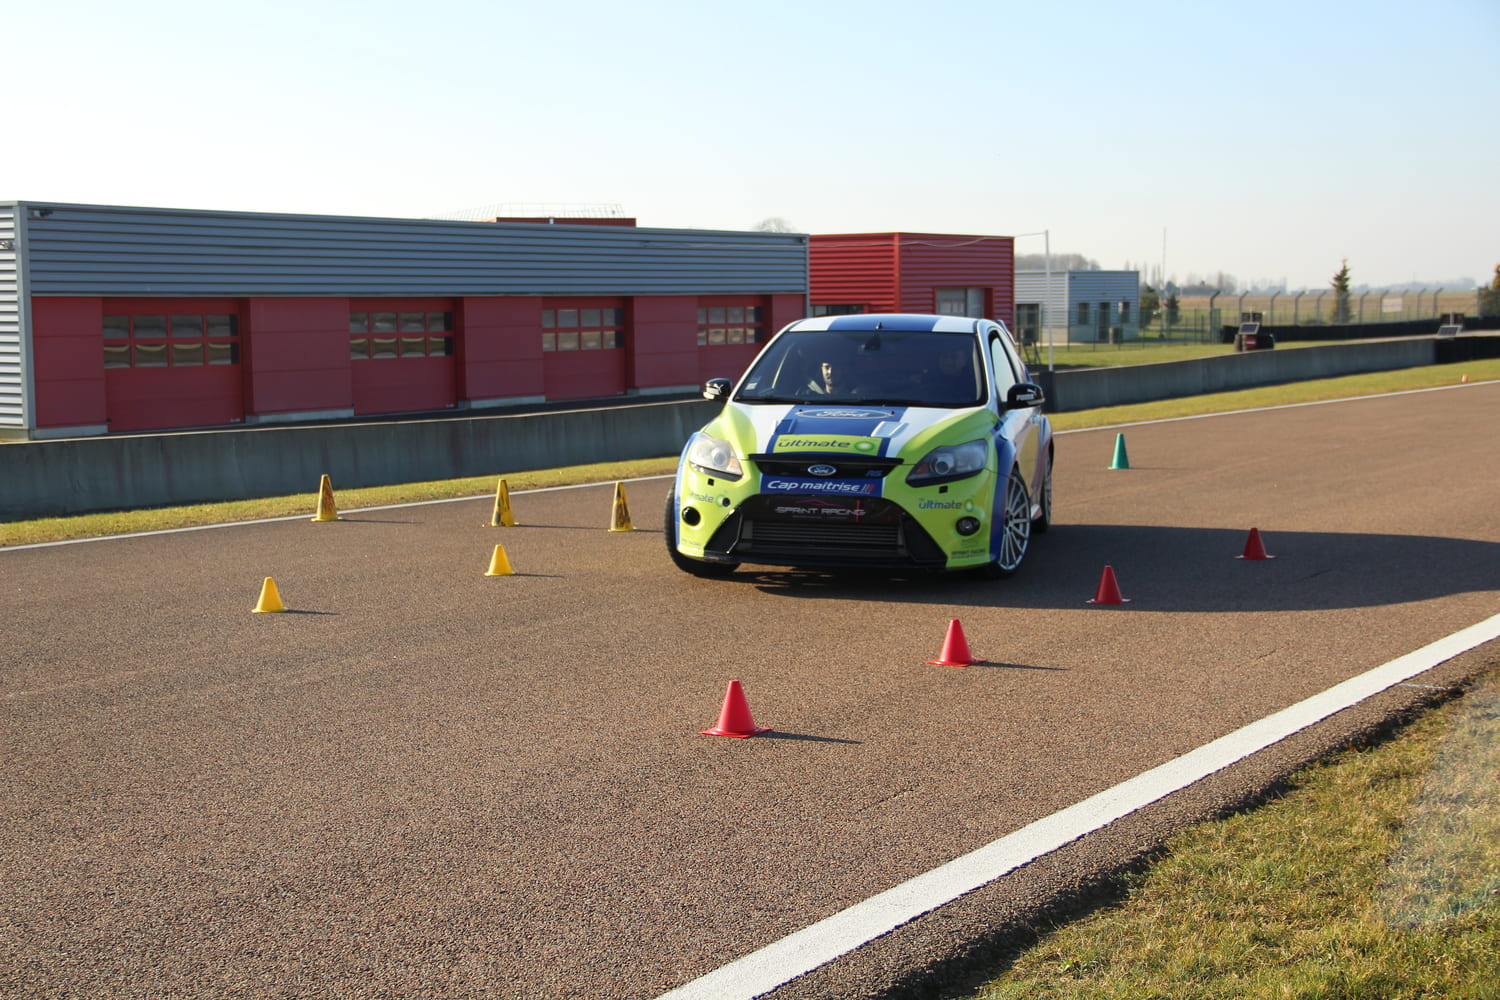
column 640, row 479
column 807, row 949
column 1263, row 409
column 304, row 517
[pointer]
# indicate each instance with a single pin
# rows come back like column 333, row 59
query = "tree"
column 1341, row 313
column 1489, row 298
column 1150, row 303
column 775, row 224
column 1173, row 309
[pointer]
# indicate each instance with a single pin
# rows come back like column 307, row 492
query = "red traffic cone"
column 1109, row 590
column 734, row 719
column 955, row 648
column 1254, row 548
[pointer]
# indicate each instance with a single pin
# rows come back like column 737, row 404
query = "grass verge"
column 155, row 519
column 1375, row 874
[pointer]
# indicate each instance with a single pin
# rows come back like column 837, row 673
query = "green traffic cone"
column 1122, row 460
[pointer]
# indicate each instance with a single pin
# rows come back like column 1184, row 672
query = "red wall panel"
column 662, row 341
column 67, row 357
column 854, row 269
column 158, row 398
column 296, row 356
column 499, row 348
column 584, row 374
column 900, row 272
column 403, row 385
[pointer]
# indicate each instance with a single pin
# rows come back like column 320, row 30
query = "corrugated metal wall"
column 1104, row 286
column 1031, row 287
column 12, row 344
column 930, row 261
column 104, row 250
column 898, row 272
column 854, row 269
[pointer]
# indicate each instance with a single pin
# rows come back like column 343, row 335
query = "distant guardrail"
column 79, row 475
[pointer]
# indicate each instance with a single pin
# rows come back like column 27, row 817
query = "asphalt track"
column 427, row 782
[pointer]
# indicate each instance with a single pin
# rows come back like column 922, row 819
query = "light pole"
column 1046, row 308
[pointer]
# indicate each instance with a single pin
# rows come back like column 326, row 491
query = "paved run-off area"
column 423, row 781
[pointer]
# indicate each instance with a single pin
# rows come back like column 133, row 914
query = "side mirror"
column 718, row 388
column 1024, row 394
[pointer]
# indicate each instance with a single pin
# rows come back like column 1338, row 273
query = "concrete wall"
column 44, row 478
column 1091, row 388
column 47, row 478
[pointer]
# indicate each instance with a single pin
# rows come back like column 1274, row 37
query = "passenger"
column 953, row 379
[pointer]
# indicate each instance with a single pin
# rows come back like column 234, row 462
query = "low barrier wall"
column 72, row 476
column 1090, row 388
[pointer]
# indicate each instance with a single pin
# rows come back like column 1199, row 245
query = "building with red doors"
column 117, row 319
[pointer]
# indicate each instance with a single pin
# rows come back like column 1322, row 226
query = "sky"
column 1268, row 141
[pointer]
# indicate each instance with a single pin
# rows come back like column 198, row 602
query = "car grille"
column 885, row 536
column 844, row 466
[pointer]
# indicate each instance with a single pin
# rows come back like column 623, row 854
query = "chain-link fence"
column 1200, row 317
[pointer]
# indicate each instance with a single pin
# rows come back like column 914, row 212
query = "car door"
column 1018, row 426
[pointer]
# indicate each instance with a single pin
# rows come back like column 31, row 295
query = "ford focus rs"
column 896, row 441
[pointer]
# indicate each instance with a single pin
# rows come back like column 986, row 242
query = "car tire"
column 696, row 567
column 1015, row 532
column 1043, row 519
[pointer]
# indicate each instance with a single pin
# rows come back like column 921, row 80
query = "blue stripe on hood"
column 849, row 420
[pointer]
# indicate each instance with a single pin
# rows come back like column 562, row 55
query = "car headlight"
column 710, row 455
column 948, row 462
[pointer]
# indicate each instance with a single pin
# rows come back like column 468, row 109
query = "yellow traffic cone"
column 270, row 598
column 326, row 509
column 502, row 518
column 619, row 518
column 499, row 564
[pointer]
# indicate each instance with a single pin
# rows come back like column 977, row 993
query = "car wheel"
column 697, row 567
column 1015, row 532
column 1044, row 518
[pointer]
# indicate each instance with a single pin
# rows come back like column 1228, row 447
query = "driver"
column 832, row 378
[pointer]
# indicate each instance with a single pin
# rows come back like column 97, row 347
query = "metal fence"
column 1199, row 317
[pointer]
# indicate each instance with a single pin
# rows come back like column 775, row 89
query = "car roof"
column 903, row 322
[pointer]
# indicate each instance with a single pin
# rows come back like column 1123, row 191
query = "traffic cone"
column 270, row 598
column 502, row 516
column 326, row 510
column 1109, row 590
column 1121, row 460
column 955, row 648
column 499, row 564
column 619, row 517
column 734, row 718
column 1254, row 548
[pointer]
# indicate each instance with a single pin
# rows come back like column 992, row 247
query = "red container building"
column 913, row 272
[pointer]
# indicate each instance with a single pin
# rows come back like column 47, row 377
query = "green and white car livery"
column 884, row 440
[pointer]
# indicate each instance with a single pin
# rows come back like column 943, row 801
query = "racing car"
column 893, row 441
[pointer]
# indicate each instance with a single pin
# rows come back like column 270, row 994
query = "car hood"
column 843, row 429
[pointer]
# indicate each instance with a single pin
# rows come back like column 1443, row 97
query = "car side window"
column 1007, row 369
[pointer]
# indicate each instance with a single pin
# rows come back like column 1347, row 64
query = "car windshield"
column 893, row 368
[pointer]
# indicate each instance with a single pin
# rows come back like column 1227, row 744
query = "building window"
column 730, row 321
column 960, row 302
column 1083, row 314
column 170, row 340
column 836, row 310
column 583, row 328
column 408, row 333
column 1124, row 313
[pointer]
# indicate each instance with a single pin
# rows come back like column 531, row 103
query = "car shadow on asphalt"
column 1163, row 568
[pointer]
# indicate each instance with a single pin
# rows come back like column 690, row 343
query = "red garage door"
column 172, row 364
column 401, row 355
